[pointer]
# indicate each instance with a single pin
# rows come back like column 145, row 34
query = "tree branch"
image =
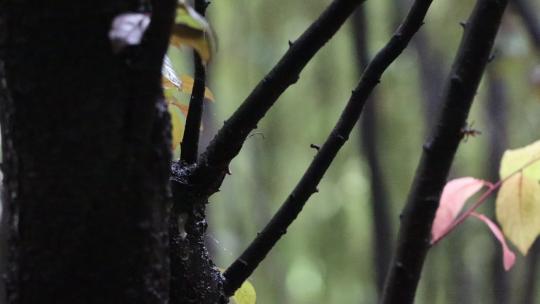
column 192, row 131
column 214, row 162
column 417, row 217
column 240, row 270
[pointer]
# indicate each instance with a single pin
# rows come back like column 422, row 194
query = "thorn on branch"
column 243, row 261
column 295, row 79
column 456, row 79
column 314, row 146
column 463, row 24
column 342, row 138
column 291, row 43
column 258, row 133
column 427, row 146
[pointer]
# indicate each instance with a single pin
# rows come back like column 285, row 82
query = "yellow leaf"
column 245, row 294
column 192, row 29
column 515, row 159
column 178, row 122
column 186, row 86
column 518, row 210
column 518, row 200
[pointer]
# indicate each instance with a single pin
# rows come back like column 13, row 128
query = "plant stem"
column 192, row 131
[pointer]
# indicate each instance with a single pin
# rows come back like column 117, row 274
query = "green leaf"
column 518, row 200
column 245, row 294
column 192, row 29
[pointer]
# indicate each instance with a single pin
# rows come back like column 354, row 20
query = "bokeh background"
column 328, row 254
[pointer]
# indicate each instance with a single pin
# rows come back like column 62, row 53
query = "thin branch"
column 213, row 164
column 240, row 270
column 417, row 217
column 382, row 231
column 527, row 12
column 192, row 131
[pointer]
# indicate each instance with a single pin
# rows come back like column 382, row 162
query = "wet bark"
column 85, row 139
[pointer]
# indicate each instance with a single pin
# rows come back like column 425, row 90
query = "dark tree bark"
column 85, row 139
column 382, row 231
column 438, row 152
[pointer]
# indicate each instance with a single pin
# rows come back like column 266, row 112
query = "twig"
column 240, row 270
column 192, row 131
column 417, row 217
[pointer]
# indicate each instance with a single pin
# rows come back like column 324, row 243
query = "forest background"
column 330, row 254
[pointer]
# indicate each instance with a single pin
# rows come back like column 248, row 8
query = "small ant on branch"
column 468, row 131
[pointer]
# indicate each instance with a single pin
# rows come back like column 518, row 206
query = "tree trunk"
column 85, row 139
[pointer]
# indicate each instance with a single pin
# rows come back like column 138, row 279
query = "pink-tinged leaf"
column 509, row 258
column 128, row 29
column 453, row 198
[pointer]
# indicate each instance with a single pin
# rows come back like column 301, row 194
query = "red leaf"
column 508, row 256
column 453, row 198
